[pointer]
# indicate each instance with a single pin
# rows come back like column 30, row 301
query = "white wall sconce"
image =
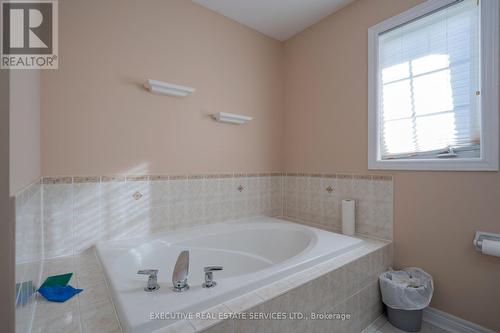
column 231, row 118
column 160, row 87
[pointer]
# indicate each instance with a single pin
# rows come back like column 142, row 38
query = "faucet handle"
column 150, row 272
column 152, row 279
column 209, row 276
column 212, row 268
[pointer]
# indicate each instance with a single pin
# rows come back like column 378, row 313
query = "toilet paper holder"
column 480, row 236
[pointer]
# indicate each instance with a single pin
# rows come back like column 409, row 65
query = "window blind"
column 429, row 85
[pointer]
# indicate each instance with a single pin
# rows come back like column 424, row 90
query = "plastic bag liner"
column 409, row 289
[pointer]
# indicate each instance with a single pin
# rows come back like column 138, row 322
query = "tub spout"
column 180, row 274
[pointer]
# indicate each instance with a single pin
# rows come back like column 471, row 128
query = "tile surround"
column 80, row 211
column 73, row 213
column 307, row 199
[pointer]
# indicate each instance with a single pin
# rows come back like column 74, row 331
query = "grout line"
column 78, row 296
column 282, row 195
column 73, row 218
column 42, row 221
column 41, row 267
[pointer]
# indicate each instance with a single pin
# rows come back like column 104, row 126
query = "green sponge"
column 57, row 280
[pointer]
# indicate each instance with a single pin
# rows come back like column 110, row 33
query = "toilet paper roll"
column 491, row 247
column 348, row 217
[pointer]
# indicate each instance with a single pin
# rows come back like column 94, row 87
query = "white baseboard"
column 451, row 323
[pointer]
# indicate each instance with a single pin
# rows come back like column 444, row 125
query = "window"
column 433, row 88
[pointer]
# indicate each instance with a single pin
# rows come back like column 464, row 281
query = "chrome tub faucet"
column 152, row 279
column 209, row 276
column 180, row 274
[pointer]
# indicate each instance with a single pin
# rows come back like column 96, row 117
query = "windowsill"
column 463, row 164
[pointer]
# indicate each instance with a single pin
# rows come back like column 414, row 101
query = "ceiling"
column 279, row 19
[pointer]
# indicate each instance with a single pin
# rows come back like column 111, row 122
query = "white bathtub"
column 253, row 252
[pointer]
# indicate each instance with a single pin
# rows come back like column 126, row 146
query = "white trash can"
column 406, row 293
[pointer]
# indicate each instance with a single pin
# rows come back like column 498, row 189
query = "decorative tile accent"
column 177, row 177
column 137, row 178
column 382, row 177
column 158, row 178
column 329, row 175
column 225, row 175
column 365, row 177
column 57, row 180
column 112, row 179
column 81, row 180
column 137, row 195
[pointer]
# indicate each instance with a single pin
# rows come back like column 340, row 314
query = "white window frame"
column 489, row 93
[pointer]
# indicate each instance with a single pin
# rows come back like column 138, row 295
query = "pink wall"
column 436, row 213
column 25, row 165
column 98, row 120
